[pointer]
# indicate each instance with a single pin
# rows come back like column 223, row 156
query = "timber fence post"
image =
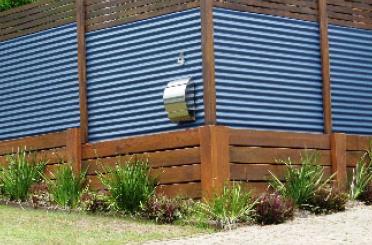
column 214, row 153
column 73, row 149
column 209, row 81
column 338, row 158
column 82, row 68
column 324, row 50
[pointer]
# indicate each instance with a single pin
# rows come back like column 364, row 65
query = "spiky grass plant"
column 300, row 183
column 66, row 187
column 232, row 206
column 362, row 175
column 23, row 169
column 129, row 184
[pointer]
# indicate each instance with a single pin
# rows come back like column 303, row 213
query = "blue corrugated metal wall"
column 351, row 76
column 39, row 83
column 130, row 65
column 268, row 72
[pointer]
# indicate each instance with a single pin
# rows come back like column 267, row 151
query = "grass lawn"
column 27, row 226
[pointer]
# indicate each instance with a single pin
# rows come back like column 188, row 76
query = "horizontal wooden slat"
column 171, row 175
column 156, row 159
column 279, row 139
column 354, row 13
column 299, row 9
column 357, row 143
column 179, row 174
column 352, row 157
column 142, row 144
column 260, row 172
column 190, row 190
column 47, row 141
column 273, row 155
column 35, row 17
column 111, row 13
column 51, row 169
column 256, row 188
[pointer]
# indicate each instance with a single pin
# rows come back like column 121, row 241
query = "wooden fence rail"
column 197, row 163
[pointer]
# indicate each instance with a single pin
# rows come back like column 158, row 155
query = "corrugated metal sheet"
column 130, row 65
column 351, row 76
column 268, row 72
column 39, row 83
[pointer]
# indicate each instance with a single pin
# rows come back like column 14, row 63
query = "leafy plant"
column 67, row 187
column 129, row 184
column 273, row 209
column 7, row 4
column 231, row 207
column 362, row 175
column 164, row 210
column 366, row 196
column 96, row 203
column 22, row 171
column 327, row 200
column 301, row 182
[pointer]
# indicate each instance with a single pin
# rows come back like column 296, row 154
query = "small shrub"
column 366, row 196
column 164, row 210
column 22, row 171
column 326, row 200
column 129, row 184
column 362, row 175
column 7, row 4
column 273, row 209
column 301, row 182
column 67, row 187
column 232, row 206
column 96, row 203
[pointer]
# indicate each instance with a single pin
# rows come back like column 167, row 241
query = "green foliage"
column 232, row 206
column 362, row 175
column 96, row 203
column 273, row 209
column 366, row 196
column 67, row 187
column 129, row 184
column 301, row 182
column 22, row 171
column 326, row 200
column 164, row 210
column 8, row 4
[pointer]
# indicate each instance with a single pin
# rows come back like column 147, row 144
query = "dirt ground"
column 353, row 226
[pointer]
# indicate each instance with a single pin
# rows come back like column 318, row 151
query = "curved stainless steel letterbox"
column 179, row 100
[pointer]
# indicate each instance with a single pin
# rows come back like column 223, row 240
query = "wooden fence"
column 199, row 162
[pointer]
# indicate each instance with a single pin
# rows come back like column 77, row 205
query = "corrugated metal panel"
column 39, row 83
column 268, row 72
column 130, row 65
column 351, row 76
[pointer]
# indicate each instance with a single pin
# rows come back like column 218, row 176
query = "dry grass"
column 26, row 226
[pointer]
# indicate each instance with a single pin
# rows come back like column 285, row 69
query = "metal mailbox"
column 179, row 100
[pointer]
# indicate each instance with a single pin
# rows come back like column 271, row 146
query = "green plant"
column 301, row 182
column 22, row 171
column 66, row 187
column 366, row 196
column 272, row 208
column 326, row 200
column 362, row 175
column 232, row 206
column 96, row 203
column 164, row 210
column 7, row 4
column 129, row 184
